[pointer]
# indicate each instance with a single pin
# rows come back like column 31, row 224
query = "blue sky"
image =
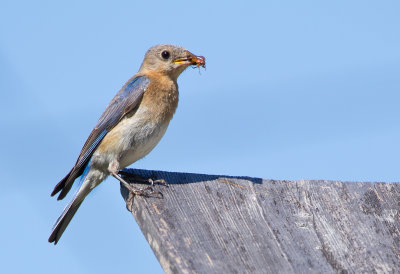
column 292, row 90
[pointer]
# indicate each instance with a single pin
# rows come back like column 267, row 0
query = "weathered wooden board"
column 221, row 224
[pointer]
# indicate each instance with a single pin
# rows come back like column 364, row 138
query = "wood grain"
column 222, row 224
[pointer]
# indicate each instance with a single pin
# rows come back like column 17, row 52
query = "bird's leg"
column 113, row 168
column 140, row 179
column 136, row 191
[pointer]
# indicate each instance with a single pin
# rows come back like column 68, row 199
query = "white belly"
column 130, row 140
column 144, row 141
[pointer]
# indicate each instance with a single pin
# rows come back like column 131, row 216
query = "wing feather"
column 123, row 102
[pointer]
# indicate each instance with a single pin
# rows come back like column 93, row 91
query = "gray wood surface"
column 222, row 224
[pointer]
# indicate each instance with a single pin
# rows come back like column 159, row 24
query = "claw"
column 158, row 181
column 135, row 178
column 129, row 201
column 146, row 192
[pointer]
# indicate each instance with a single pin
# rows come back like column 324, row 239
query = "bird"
column 130, row 127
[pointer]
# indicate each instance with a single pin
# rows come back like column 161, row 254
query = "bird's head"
column 170, row 60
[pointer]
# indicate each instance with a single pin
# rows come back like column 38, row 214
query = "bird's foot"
column 157, row 181
column 146, row 192
column 128, row 178
column 136, row 178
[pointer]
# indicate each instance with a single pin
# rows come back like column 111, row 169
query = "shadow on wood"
column 223, row 224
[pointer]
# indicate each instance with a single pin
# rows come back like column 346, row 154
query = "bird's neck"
column 161, row 95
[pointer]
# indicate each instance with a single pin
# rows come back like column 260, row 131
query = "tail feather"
column 61, row 184
column 63, row 221
column 66, row 183
column 70, row 210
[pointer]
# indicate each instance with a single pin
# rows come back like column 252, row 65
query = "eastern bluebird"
column 130, row 127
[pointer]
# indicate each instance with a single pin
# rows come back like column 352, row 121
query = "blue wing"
column 124, row 102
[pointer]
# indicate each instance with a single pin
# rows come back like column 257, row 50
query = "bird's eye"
column 165, row 54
